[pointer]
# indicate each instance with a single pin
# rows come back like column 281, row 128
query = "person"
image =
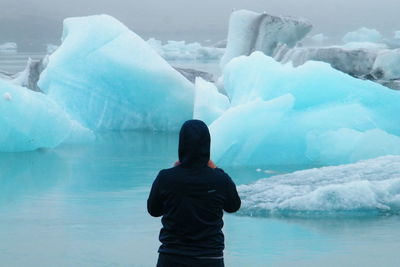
column 191, row 198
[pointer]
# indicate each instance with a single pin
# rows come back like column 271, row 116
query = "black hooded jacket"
column 191, row 198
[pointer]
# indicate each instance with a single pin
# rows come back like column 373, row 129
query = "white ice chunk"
column 107, row 77
column 369, row 187
column 319, row 38
column 363, row 35
column 8, row 48
column 180, row 50
column 209, row 104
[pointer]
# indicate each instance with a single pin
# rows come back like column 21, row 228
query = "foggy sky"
column 203, row 19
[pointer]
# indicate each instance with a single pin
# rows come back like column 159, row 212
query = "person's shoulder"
column 168, row 172
column 220, row 173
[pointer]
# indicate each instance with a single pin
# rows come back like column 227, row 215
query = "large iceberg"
column 108, row 78
column 250, row 31
column 285, row 115
column 365, row 188
column 30, row 120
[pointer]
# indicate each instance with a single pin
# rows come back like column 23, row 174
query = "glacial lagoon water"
column 85, row 205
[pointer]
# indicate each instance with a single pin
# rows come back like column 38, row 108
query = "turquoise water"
column 85, row 205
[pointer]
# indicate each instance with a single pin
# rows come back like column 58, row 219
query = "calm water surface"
column 85, row 205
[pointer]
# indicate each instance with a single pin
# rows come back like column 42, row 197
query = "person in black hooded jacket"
column 191, row 198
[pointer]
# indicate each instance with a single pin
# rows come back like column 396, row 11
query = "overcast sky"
column 202, row 19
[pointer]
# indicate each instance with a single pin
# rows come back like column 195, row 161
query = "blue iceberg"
column 107, row 78
column 30, row 120
column 311, row 114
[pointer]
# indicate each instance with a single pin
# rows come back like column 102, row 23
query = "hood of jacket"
column 194, row 144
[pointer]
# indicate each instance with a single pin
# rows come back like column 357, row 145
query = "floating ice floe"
column 108, row 78
column 369, row 187
column 180, row 50
column 250, row 31
column 8, row 48
column 29, row 120
column 311, row 114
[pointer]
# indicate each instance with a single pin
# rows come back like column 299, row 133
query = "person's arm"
column 155, row 202
column 232, row 202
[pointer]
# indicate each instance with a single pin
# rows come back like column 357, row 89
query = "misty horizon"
column 31, row 25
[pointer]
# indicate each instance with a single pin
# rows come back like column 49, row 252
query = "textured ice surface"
column 365, row 188
column 29, row 120
column 209, row 104
column 180, row 50
column 311, row 114
column 107, row 77
column 363, row 35
column 250, row 31
column 387, row 65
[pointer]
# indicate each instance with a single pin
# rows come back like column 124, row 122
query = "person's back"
column 191, row 198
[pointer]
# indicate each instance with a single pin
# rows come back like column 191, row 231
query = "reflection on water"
column 85, row 205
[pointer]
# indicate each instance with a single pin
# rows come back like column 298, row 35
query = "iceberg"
column 30, row 120
column 283, row 115
column 363, row 35
column 319, row 38
column 356, row 61
column 387, row 65
column 8, row 48
column 371, row 61
column 180, row 50
column 250, row 31
column 209, row 104
column 107, row 78
column 397, row 35
column 366, row 188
